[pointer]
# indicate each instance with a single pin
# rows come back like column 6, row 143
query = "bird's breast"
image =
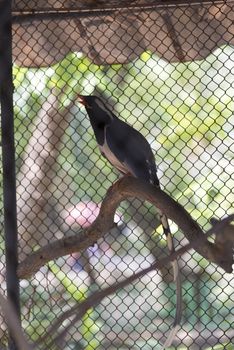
column 113, row 159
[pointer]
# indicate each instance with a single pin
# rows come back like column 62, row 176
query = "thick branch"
column 38, row 170
column 125, row 188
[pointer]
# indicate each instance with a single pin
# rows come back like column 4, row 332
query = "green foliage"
column 36, row 311
column 178, row 119
column 226, row 346
column 186, row 113
column 75, row 293
column 90, row 326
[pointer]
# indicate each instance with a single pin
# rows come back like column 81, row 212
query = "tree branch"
column 13, row 323
column 38, row 170
column 128, row 187
column 79, row 310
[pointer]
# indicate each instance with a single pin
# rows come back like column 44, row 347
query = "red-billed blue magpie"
column 129, row 152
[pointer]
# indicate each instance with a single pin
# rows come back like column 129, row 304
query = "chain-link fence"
column 185, row 111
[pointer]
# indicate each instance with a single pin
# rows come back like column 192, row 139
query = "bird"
column 130, row 153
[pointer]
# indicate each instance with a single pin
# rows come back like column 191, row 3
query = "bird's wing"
column 132, row 150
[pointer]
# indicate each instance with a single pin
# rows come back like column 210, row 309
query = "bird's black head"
column 99, row 114
column 87, row 101
column 96, row 109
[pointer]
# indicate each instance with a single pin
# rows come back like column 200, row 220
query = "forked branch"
column 219, row 252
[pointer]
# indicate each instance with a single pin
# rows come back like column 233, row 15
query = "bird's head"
column 87, row 101
column 96, row 108
column 100, row 116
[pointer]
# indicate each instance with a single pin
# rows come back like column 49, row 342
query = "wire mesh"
column 185, row 111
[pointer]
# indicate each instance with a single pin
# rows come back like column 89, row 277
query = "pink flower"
column 84, row 214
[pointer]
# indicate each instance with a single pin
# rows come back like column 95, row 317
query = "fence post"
column 8, row 159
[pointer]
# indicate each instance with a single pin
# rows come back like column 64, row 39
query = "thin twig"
column 13, row 323
column 80, row 309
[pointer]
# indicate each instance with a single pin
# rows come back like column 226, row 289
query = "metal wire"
column 185, row 110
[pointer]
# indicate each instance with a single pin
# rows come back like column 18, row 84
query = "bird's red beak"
column 81, row 99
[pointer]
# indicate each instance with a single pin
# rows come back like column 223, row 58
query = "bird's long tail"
column 177, row 280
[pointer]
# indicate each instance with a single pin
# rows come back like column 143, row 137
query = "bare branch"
column 14, row 324
column 78, row 311
column 128, row 187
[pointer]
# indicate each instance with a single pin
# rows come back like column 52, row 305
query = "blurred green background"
column 185, row 111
